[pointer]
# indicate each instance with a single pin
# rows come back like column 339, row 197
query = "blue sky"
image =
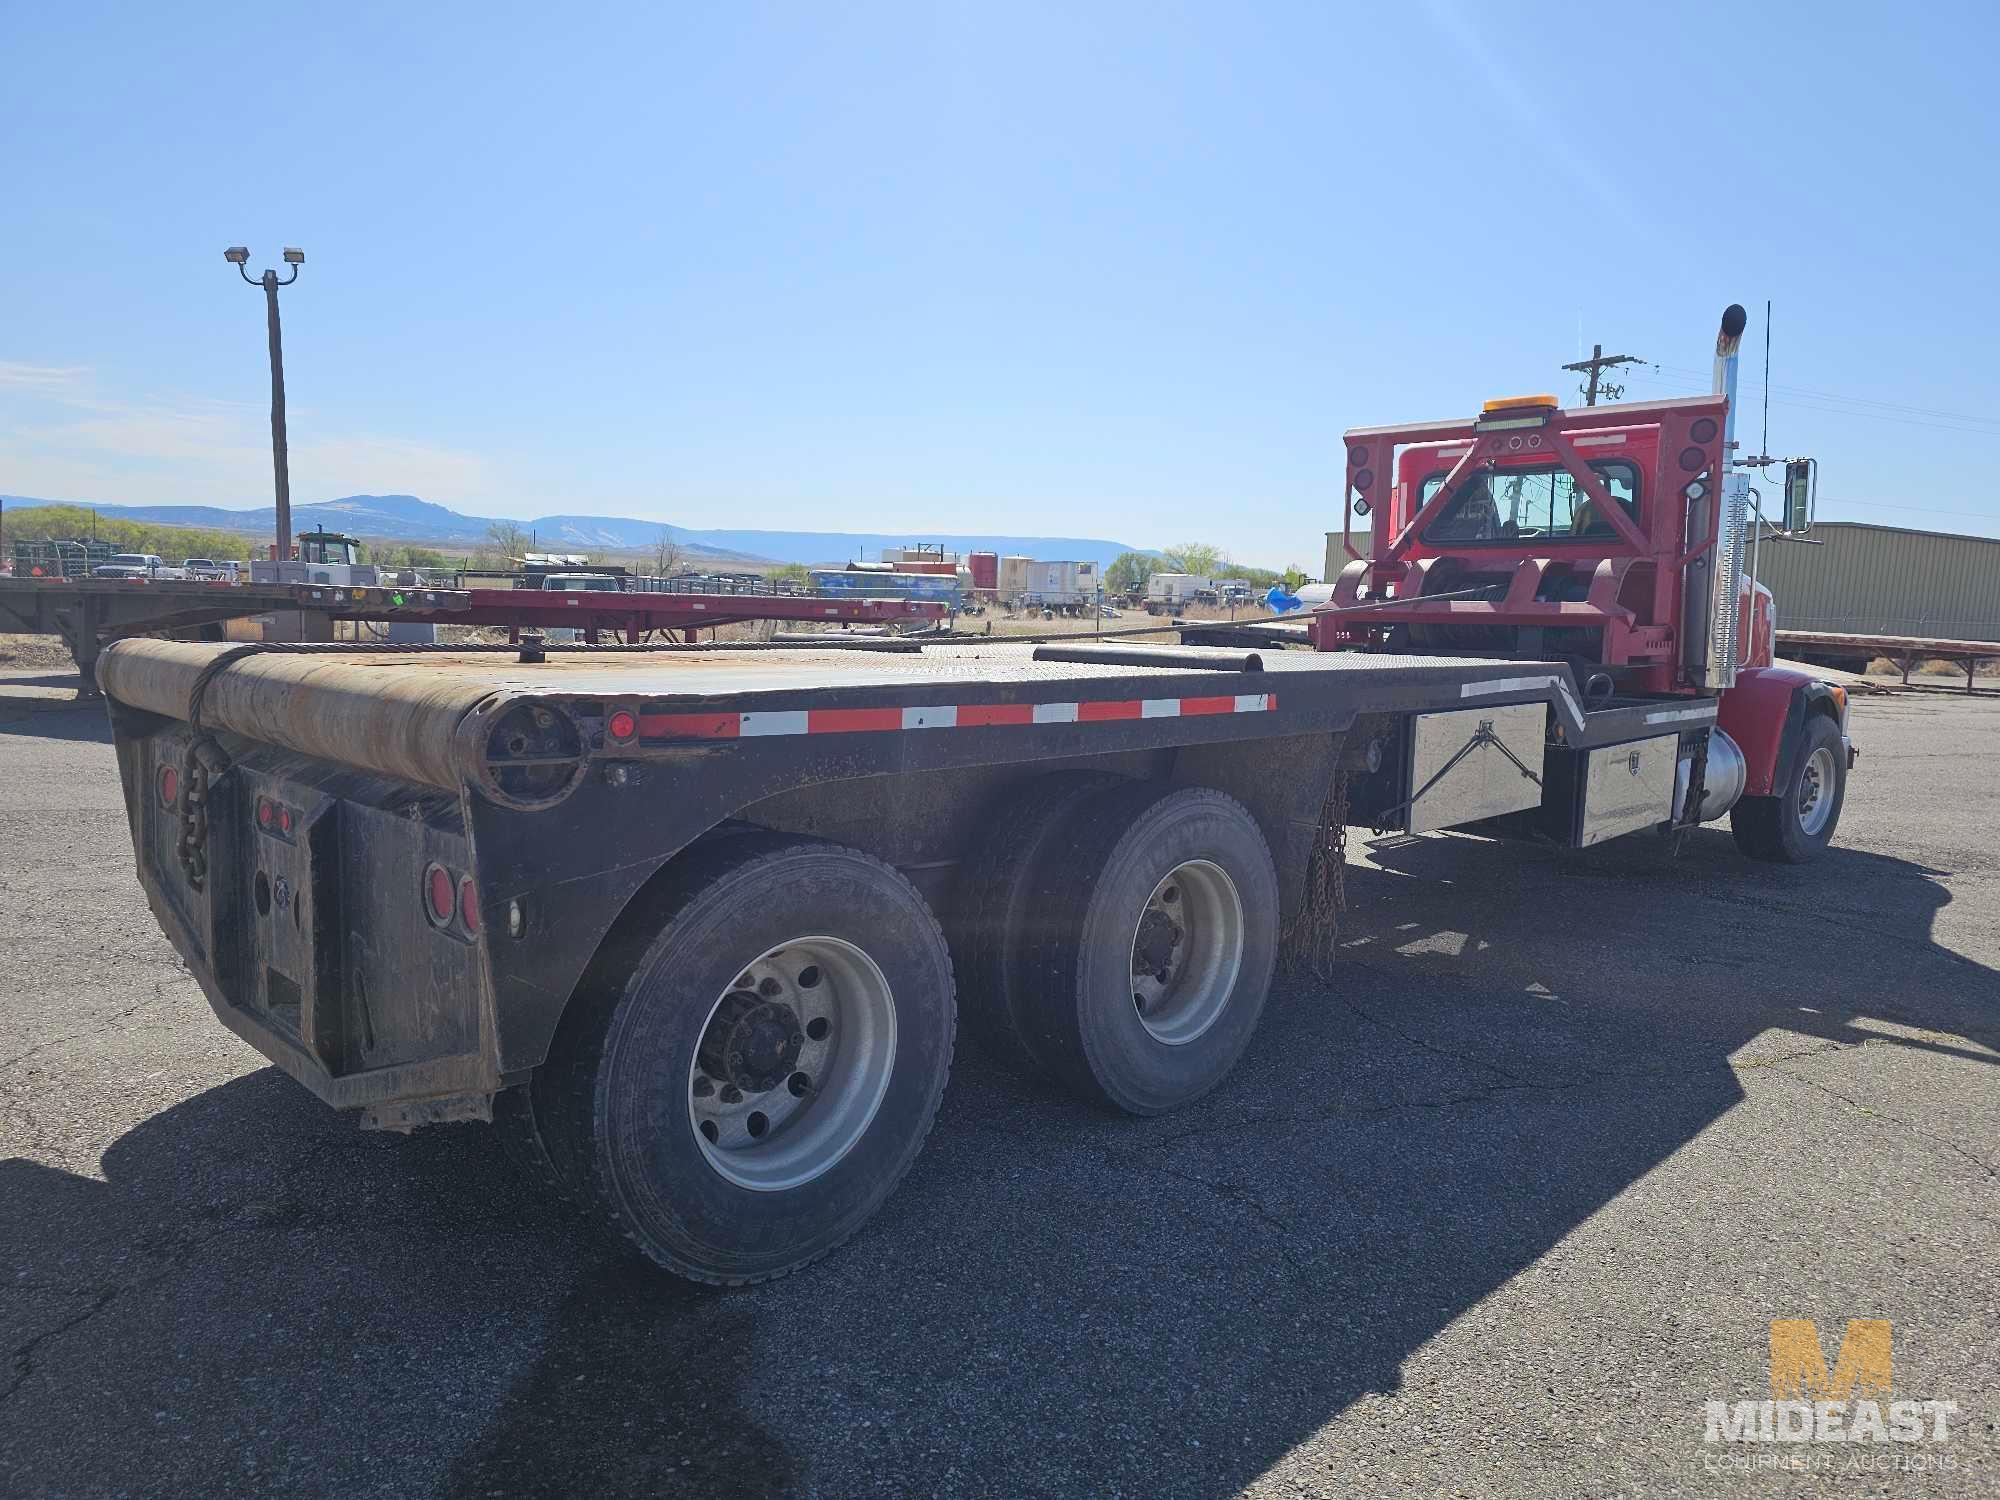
column 1119, row 270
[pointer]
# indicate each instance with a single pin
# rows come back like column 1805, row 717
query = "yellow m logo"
column 1798, row 1363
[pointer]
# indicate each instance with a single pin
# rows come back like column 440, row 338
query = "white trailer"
column 1167, row 591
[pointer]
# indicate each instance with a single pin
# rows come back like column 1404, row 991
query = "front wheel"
column 1797, row 824
column 742, row 1096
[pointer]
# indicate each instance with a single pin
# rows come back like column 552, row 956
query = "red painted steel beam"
column 592, row 610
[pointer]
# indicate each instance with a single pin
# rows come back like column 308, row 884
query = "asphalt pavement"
column 1495, row 1212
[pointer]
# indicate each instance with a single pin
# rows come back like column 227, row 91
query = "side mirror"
column 1798, row 494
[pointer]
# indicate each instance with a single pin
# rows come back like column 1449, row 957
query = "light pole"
column 281, row 462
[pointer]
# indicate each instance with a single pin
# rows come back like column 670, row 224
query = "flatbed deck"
column 399, row 712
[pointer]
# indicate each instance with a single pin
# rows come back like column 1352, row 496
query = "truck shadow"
column 258, row 1296
column 43, row 715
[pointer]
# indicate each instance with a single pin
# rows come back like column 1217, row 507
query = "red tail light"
column 622, row 725
column 265, row 812
column 468, row 905
column 441, row 894
column 170, row 785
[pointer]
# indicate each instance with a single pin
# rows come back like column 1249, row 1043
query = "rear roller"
column 747, row 1092
column 1161, row 905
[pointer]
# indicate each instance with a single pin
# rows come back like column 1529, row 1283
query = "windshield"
column 1497, row 506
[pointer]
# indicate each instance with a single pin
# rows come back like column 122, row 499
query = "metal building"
column 1885, row 580
column 1336, row 554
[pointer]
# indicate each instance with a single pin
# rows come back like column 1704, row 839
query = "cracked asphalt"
column 1493, row 1212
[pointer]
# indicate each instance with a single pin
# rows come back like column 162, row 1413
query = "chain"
column 1309, row 941
column 191, row 848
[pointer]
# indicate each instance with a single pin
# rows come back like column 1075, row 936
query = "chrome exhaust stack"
column 1725, row 590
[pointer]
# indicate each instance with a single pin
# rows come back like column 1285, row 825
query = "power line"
column 1673, row 384
column 1858, row 401
column 1922, row 510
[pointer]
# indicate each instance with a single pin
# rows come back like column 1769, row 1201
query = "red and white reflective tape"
column 741, row 726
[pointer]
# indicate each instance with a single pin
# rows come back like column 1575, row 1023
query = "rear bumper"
column 310, row 940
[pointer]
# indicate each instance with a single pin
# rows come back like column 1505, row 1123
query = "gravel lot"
column 1492, row 1214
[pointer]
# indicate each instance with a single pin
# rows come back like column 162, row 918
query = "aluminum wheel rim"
column 1816, row 791
column 1187, row 950
column 793, row 1060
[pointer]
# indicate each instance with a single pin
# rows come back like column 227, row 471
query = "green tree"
column 794, row 573
column 1129, row 571
column 402, row 556
column 1196, row 557
column 68, row 523
column 1295, row 578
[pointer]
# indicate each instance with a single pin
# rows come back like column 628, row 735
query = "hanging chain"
column 1309, row 940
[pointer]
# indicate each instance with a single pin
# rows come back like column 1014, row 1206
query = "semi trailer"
column 695, row 926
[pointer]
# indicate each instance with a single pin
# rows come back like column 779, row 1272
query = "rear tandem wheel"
column 1157, row 934
column 735, row 1097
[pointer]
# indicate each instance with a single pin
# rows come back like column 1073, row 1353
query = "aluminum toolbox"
column 1627, row 787
column 1484, row 783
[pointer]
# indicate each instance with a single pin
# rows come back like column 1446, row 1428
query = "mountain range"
column 405, row 518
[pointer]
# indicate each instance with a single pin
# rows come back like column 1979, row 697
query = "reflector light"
column 443, row 895
column 1505, row 403
column 170, row 785
column 468, row 905
column 284, row 820
column 622, row 725
column 264, row 812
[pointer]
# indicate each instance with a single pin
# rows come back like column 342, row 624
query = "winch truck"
column 695, row 925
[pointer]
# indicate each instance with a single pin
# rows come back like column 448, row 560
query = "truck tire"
column 1156, row 937
column 993, row 907
column 1798, row 823
column 751, row 1070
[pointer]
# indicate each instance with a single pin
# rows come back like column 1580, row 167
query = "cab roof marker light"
column 1509, row 403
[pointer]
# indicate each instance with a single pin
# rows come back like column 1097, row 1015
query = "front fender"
column 1765, row 713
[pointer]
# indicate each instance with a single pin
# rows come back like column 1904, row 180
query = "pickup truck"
column 134, row 565
column 695, row 926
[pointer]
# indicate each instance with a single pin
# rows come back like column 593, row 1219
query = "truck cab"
column 1610, row 539
column 320, row 556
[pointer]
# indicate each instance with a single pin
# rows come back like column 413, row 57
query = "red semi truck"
column 695, row 926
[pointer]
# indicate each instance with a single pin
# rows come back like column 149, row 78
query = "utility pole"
column 281, row 462
column 1599, row 362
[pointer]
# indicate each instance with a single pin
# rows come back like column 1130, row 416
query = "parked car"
column 130, row 565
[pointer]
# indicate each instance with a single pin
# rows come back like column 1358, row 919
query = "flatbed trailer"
column 1852, row 651
column 694, row 925
column 87, row 612
column 635, row 613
